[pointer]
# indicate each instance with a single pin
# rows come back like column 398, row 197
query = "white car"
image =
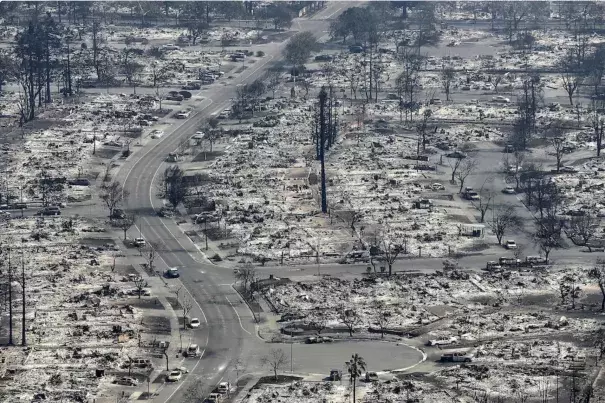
column 170, row 46
column 198, row 136
column 509, row 190
column 174, row 376
column 437, row 186
column 223, row 387
column 156, row 134
column 510, row 244
column 182, row 370
column 127, row 381
column 194, row 323
column 139, row 242
column 500, row 99
column 457, row 357
column 442, row 342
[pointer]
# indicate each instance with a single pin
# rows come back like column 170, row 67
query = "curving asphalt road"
column 227, row 334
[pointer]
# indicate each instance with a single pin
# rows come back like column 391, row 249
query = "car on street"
column 510, row 244
column 182, row 114
column 500, row 99
column 456, row 357
column 172, row 272
column 223, row 387
column 437, row 186
column 371, row 377
column 139, row 242
column 509, row 190
column 182, row 370
column 444, row 341
column 174, row 376
column 493, row 265
column 50, row 210
column 166, row 212
column 194, row 323
column 214, row 398
column 193, row 350
column 156, row 134
column 126, row 381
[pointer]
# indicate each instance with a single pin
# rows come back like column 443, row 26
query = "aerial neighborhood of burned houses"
column 302, row 201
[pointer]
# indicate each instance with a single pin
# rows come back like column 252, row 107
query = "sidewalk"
column 159, row 289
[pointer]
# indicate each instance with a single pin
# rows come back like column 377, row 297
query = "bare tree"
column 496, row 80
column 389, row 248
column 598, row 273
column 582, row 229
column 383, row 317
column 186, row 305
column 349, row 317
column 514, row 167
column 485, row 197
column 571, row 76
column 150, row 255
column 112, row 195
column 247, row 276
column 126, row 223
column 466, row 168
column 319, row 323
column 276, row 359
column 547, row 235
column 140, row 284
column 598, row 124
column 504, row 219
column 447, row 78
column 557, row 145
column 569, row 290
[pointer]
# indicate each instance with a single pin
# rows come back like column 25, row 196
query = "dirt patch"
column 281, row 379
column 146, row 303
column 157, row 324
column 107, row 153
column 208, row 156
column 174, row 303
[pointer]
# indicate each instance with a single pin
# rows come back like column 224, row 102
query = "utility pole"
column 322, row 148
column 10, row 300
column 23, row 342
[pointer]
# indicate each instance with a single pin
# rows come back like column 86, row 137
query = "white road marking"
column 238, row 317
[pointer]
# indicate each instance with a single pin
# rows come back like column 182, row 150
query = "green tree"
column 355, row 367
column 299, row 49
column 280, row 15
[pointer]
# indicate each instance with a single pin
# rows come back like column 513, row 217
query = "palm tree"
column 355, row 367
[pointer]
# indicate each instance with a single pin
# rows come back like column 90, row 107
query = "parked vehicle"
column 50, row 210
column 126, row 381
column 500, row 99
column 509, row 261
column 193, row 350
column 214, row 398
column 493, row 265
column 182, row 114
column 156, row 134
column 371, row 377
column 568, row 169
column 79, row 182
column 174, row 376
column 457, row 357
column 172, row 157
column 171, row 46
column 223, row 387
column 194, row 323
column 139, row 242
column 335, row 375
column 442, row 342
column 509, row 190
column 532, row 260
column 510, row 244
